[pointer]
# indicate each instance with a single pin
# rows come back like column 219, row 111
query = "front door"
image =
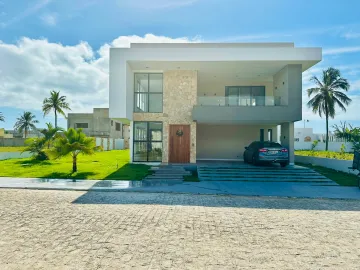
column 179, row 144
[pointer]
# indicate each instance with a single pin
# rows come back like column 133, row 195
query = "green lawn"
column 325, row 154
column 11, row 149
column 102, row 165
column 343, row 179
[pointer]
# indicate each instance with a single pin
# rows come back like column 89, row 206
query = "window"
column 147, row 141
column 245, row 95
column 81, row 125
column 148, row 90
column 117, row 127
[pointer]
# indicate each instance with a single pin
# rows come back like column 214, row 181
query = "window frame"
column 148, row 140
column 148, row 93
column 251, row 97
column 76, row 125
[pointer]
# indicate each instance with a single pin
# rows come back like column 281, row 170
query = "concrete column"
column 287, row 139
column 131, row 139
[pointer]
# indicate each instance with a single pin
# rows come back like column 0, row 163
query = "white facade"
column 231, row 89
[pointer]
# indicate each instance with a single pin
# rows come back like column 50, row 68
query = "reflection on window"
column 147, row 141
column 148, row 90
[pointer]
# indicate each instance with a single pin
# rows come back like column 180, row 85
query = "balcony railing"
column 238, row 101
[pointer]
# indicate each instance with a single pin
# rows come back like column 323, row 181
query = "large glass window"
column 245, row 95
column 147, row 141
column 148, row 92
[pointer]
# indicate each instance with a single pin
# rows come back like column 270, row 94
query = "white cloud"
column 31, row 68
column 341, row 50
column 49, row 19
column 351, row 35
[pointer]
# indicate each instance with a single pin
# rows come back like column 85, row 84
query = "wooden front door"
column 179, row 144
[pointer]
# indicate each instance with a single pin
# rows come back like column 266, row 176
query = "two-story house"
column 188, row 102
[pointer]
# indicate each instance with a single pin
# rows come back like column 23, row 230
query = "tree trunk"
column 55, row 119
column 327, row 133
column 74, row 164
column 25, row 133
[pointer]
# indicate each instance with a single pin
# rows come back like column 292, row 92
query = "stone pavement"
column 243, row 188
column 48, row 229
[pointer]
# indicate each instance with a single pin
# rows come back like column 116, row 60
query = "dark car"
column 269, row 152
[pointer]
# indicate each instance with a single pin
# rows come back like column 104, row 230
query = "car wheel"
column 283, row 164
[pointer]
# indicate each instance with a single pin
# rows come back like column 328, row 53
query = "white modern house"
column 189, row 102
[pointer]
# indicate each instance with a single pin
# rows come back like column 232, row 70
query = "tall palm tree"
column 26, row 122
column 327, row 94
column 73, row 143
column 49, row 133
column 2, row 118
column 55, row 103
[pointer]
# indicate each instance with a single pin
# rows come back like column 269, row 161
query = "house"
column 96, row 124
column 189, row 102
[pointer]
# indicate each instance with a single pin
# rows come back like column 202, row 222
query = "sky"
column 63, row 45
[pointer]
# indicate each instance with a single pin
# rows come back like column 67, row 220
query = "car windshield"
column 271, row 144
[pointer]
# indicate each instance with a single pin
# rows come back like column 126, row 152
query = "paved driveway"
column 111, row 230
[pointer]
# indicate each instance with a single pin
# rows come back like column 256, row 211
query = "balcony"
column 256, row 109
column 239, row 101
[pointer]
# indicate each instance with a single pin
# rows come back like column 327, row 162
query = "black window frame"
column 148, row 92
column 117, row 125
column 148, row 140
column 76, row 125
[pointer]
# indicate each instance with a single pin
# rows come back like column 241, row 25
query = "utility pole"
column 306, row 120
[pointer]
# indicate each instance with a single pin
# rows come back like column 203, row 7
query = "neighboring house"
column 16, row 134
column 187, row 102
column 96, row 124
column 308, row 135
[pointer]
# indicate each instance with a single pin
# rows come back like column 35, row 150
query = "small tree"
column 35, row 147
column 73, row 143
column 50, row 133
column 26, row 122
column 349, row 134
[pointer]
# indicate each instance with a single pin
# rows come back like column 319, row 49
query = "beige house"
column 96, row 124
column 189, row 102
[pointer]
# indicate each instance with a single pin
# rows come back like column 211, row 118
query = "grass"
column 192, row 178
column 325, row 154
column 342, row 178
column 109, row 165
column 12, row 149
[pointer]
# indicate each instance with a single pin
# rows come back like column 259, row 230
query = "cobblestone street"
column 115, row 230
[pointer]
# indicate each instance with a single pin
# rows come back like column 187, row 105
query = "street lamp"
column 306, row 120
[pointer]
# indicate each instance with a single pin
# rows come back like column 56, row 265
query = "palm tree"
column 73, row 143
column 327, row 94
column 26, row 122
column 49, row 133
column 2, row 118
column 56, row 103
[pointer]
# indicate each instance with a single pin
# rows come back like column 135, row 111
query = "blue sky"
column 63, row 44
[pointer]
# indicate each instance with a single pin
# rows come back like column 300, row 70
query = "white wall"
column 281, row 85
column 227, row 141
column 333, row 146
column 335, row 164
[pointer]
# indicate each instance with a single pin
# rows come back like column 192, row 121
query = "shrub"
column 35, row 147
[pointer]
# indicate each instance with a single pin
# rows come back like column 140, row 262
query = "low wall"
column 109, row 143
column 331, row 163
column 333, row 146
column 11, row 155
column 12, row 142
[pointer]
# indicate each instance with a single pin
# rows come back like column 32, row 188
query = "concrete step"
column 254, row 170
column 263, row 176
column 164, row 178
column 172, row 172
column 269, row 180
column 253, row 173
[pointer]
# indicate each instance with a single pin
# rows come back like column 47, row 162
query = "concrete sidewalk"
column 276, row 189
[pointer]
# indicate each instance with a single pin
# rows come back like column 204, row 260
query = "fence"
column 333, row 146
column 110, row 144
column 11, row 142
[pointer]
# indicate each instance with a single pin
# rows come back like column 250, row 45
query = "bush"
column 35, row 147
column 325, row 154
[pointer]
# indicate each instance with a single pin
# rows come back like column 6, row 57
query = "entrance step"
column 167, row 172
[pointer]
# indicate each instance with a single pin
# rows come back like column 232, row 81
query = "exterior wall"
column 12, row 142
column 287, row 139
column 179, row 97
column 335, row 164
column 126, row 136
column 228, row 141
column 333, row 146
column 99, row 123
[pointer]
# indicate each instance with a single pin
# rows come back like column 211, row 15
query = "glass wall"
column 147, row 141
column 148, row 92
column 245, row 95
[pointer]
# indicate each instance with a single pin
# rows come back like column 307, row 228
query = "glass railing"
column 238, row 101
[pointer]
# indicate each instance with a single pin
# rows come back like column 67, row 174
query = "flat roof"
column 214, row 45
